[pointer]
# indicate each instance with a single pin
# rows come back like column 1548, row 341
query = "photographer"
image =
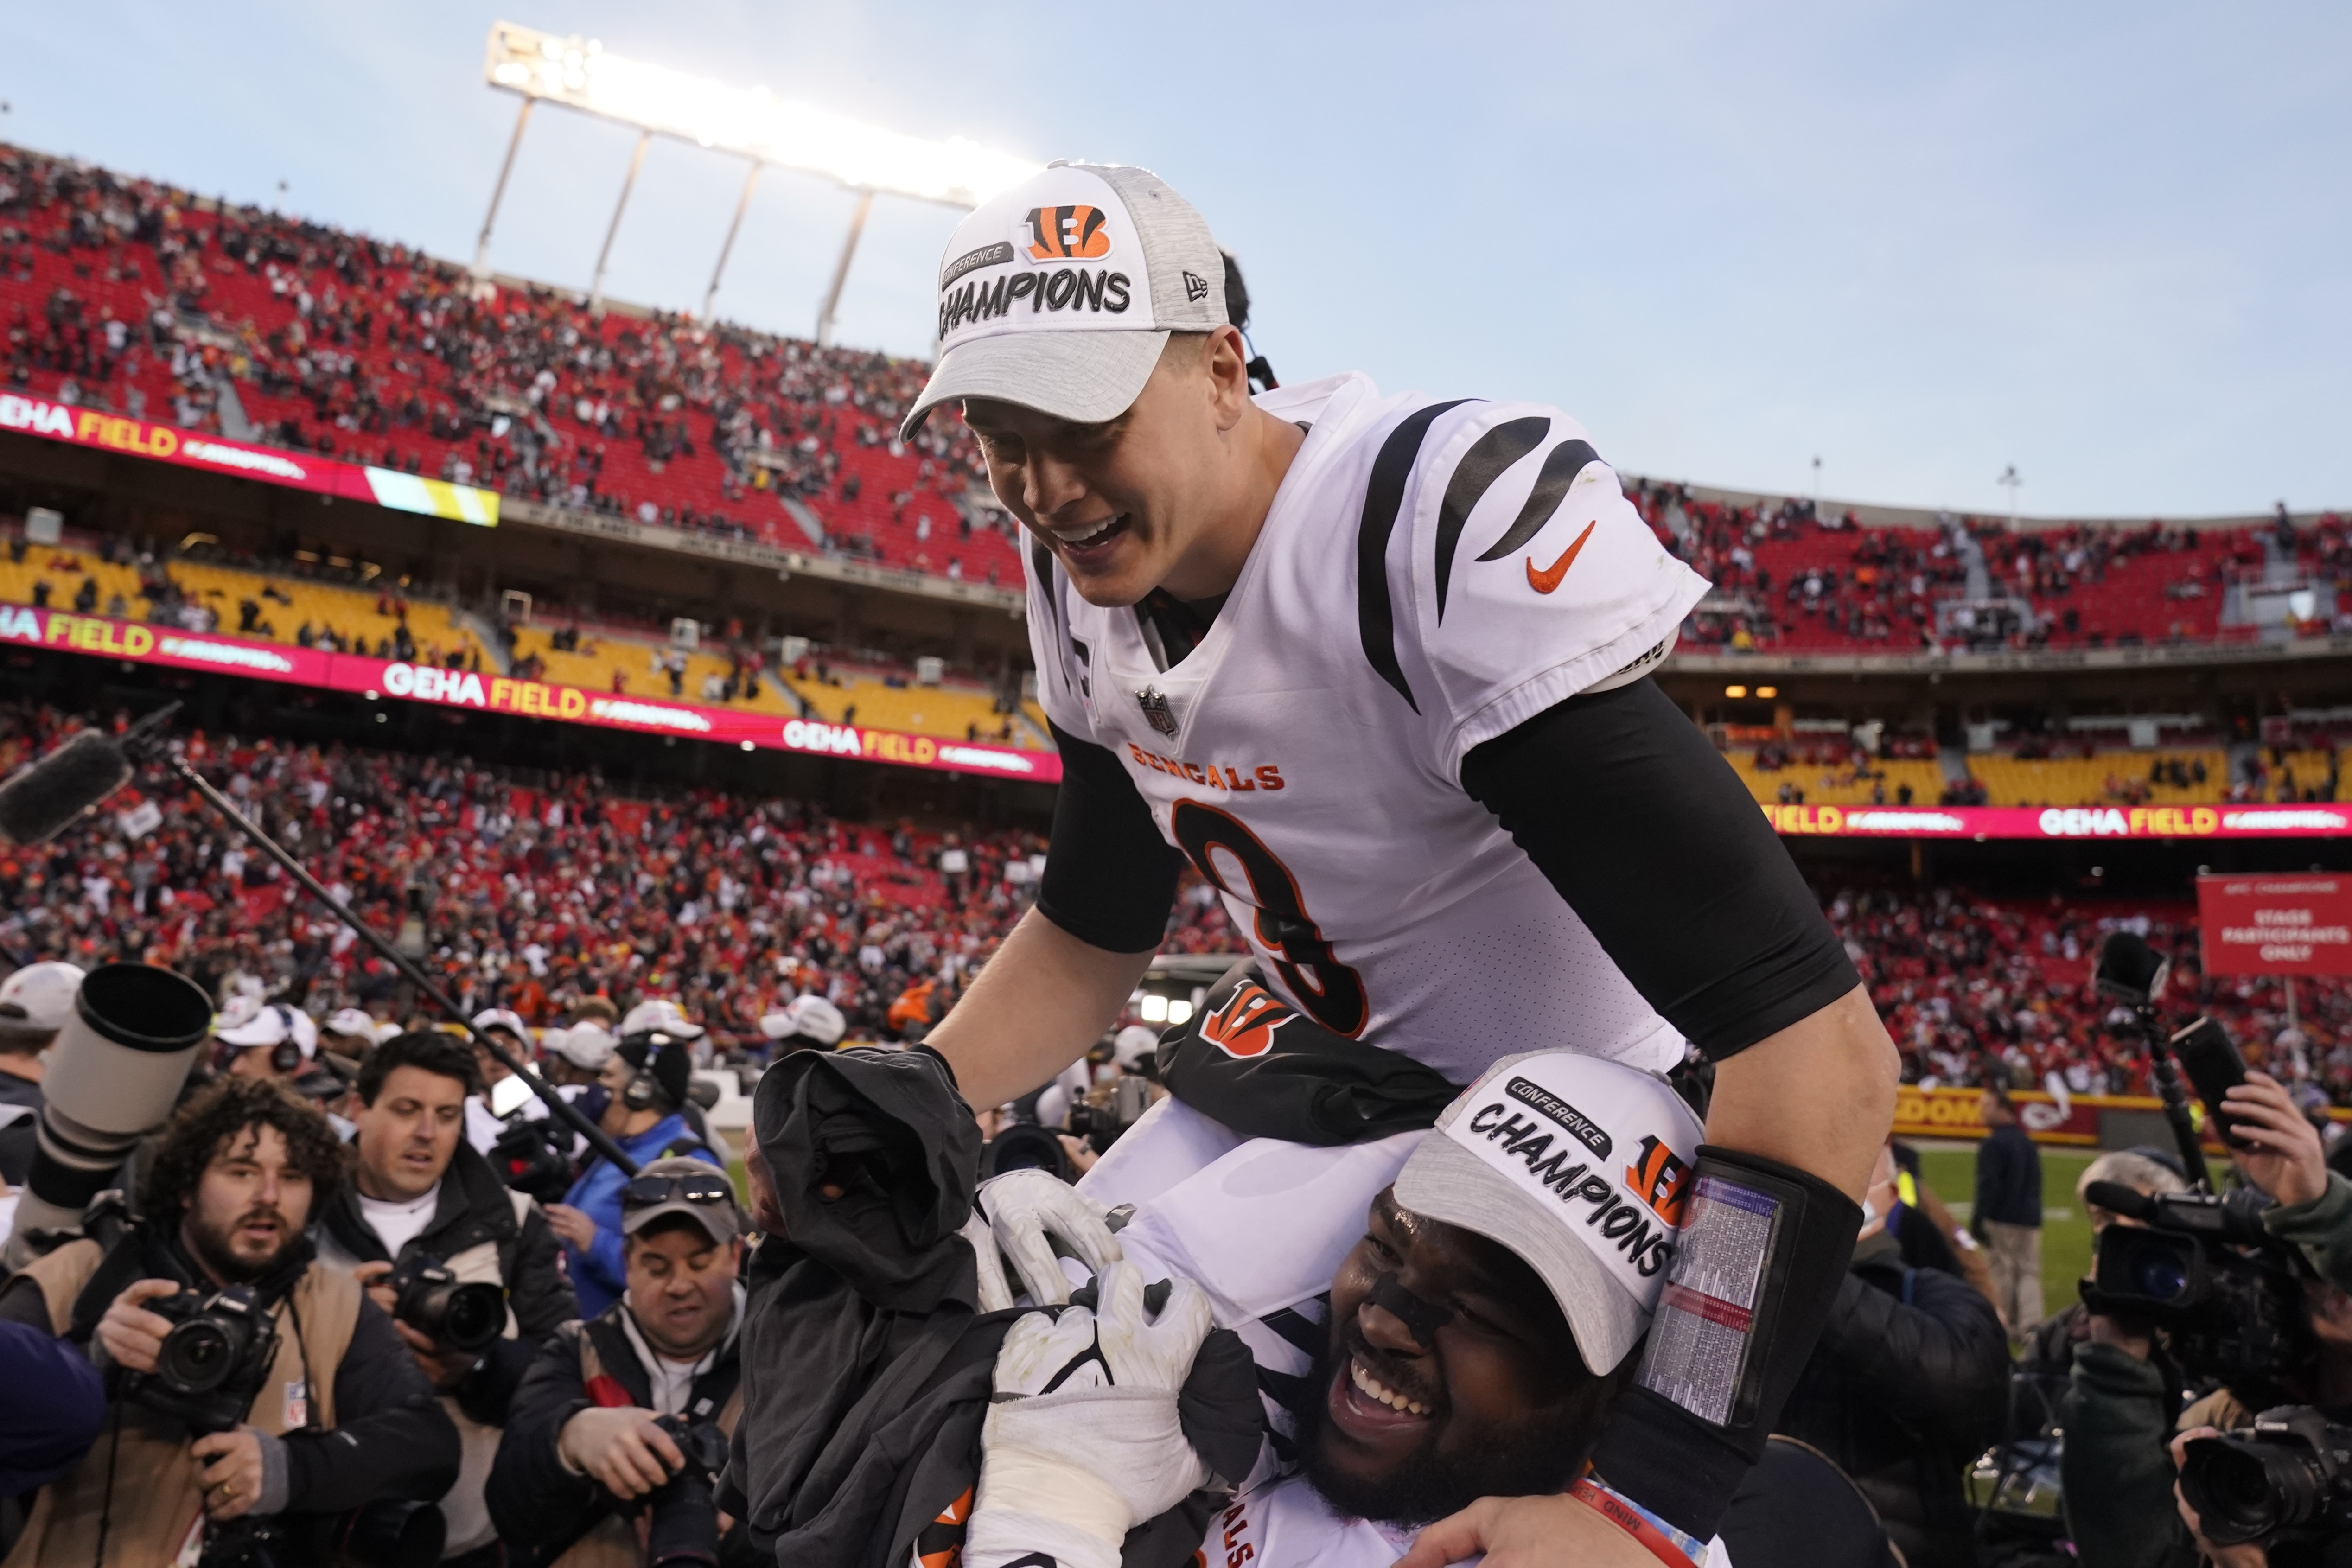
column 319, row 1409
column 1908, row 1383
column 2119, row 1412
column 643, row 1090
column 420, row 1195
column 601, row 1426
column 35, row 1003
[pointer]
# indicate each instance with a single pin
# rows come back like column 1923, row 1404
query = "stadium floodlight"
column 753, row 122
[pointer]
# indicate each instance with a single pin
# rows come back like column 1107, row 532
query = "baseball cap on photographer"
column 1579, row 1167
column 1059, row 294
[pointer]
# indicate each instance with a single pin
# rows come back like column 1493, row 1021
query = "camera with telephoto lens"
column 2285, row 1481
column 1107, row 1110
column 433, row 1301
column 2228, row 1295
column 684, row 1523
column 213, row 1361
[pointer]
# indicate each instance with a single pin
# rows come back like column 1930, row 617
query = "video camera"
column 433, row 1301
column 533, row 1156
column 684, row 1523
column 2285, row 1481
column 2228, row 1295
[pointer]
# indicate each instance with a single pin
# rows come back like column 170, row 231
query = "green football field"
column 1951, row 1170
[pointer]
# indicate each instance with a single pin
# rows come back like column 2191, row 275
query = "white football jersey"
column 1288, row 1524
column 1430, row 576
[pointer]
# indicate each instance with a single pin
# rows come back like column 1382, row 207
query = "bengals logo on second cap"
column 1244, row 1025
column 1067, row 233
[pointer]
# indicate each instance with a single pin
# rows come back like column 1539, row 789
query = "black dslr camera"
column 683, row 1527
column 2285, row 1481
column 389, row 1534
column 2227, row 1293
column 213, row 1362
column 430, row 1299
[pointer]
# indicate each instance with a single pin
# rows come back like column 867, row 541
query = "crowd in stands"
column 126, row 294
column 123, row 294
column 1982, row 990
column 529, row 896
column 1788, row 579
column 522, row 895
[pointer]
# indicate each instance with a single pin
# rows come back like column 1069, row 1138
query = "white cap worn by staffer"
column 587, row 1043
column 351, row 1024
column 660, row 1014
column 500, row 1018
column 1132, row 1046
column 274, row 1025
column 1059, row 294
column 38, row 998
column 1579, row 1167
column 811, row 1018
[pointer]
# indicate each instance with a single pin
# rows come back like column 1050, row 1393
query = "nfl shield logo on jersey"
column 1155, row 710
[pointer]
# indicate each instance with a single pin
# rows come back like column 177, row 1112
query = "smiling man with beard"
column 339, row 1416
column 1480, row 1335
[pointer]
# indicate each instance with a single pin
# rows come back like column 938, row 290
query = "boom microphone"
column 47, row 794
column 2129, row 969
column 43, row 798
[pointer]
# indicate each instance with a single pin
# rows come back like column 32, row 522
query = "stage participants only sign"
column 2282, row 924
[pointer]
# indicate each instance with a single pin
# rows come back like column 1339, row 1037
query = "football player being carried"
column 1377, row 666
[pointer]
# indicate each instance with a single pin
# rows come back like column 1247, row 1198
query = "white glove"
column 995, row 1294
column 1024, row 1207
column 1071, row 1470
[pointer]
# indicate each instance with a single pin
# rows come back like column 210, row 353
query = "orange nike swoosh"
column 1545, row 581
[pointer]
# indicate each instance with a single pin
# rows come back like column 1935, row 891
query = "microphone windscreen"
column 2129, row 968
column 41, row 799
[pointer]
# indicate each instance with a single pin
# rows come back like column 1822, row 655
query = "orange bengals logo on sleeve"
column 1067, row 233
column 1657, row 1178
column 940, row 1544
column 1244, row 1025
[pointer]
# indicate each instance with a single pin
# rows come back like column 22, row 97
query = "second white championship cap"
column 1580, row 1166
column 1059, row 294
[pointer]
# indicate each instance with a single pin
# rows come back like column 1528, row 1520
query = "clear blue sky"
column 2106, row 243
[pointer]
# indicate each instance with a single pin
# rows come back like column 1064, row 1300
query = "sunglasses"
column 645, row 1190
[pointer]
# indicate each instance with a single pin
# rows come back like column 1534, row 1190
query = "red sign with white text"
column 2278, row 924
column 2075, row 822
column 487, row 693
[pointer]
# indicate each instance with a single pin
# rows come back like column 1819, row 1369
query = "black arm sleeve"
column 1620, row 802
column 1110, row 878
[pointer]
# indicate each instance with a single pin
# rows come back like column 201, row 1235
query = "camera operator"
column 630, row 1409
column 2049, row 1351
column 643, row 1092
column 420, row 1195
column 2119, row 1413
column 326, row 1415
column 35, row 1003
column 1908, row 1383
column 483, row 1121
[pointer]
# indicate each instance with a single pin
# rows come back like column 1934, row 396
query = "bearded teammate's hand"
column 1025, row 1208
column 1083, row 1441
column 1527, row 1533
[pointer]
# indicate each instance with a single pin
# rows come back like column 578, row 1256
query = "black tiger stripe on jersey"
column 1489, row 458
column 1042, row 560
column 1560, row 467
column 1383, row 498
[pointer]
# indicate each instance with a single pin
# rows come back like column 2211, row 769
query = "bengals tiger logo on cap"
column 1067, row 233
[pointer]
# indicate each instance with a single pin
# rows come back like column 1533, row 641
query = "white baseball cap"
column 274, row 1025
column 663, row 1014
column 1133, row 1045
column 587, row 1043
column 813, row 1017
column 1059, row 294
column 351, row 1022
column 38, row 998
column 1579, row 1167
column 500, row 1018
